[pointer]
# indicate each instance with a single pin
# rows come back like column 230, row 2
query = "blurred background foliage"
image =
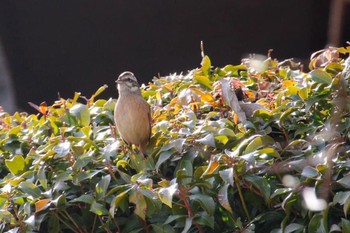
column 277, row 161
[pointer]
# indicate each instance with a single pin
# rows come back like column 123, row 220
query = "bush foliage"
column 283, row 169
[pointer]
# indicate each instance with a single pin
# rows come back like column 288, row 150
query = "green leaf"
column 177, row 144
column 188, row 224
column 62, row 149
column 345, row 225
column 234, row 70
column 203, row 80
column 60, row 201
column 172, row 218
column 316, row 224
column 30, row 189
column 206, row 65
column 84, row 175
column 293, row 227
column 164, row 156
column 138, row 199
column 208, row 140
column 279, row 192
column 286, row 114
column 204, row 219
column 86, row 198
column 82, row 161
column 205, row 201
column 16, row 165
column 98, row 209
column 269, row 151
column 261, row 184
column 166, row 194
column 309, row 172
column 345, row 181
column 81, row 112
column 227, row 176
column 162, row 228
column 223, row 198
column 102, row 186
column 321, row 76
column 303, row 93
column 116, row 200
column 184, row 171
column 263, row 114
column 258, row 142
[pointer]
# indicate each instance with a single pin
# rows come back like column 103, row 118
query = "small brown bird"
column 132, row 113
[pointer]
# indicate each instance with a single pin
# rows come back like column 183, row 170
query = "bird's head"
column 127, row 83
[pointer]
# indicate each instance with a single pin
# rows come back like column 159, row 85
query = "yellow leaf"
column 177, row 109
column 288, row 83
column 205, row 96
column 169, row 86
column 194, row 106
column 159, row 97
column 235, row 118
column 173, row 101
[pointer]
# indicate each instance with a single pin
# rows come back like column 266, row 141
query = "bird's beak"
column 117, row 81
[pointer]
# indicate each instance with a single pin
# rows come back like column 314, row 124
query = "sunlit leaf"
column 213, row 165
column 321, row 76
column 166, row 194
column 206, row 64
column 303, row 93
column 62, row 149
column 16, row 165
column 42, row 204
column 345, row 181
column 227, row 175
column 81, row 112
column 258, row 142
column 203, row 80
column 223, row 198
column 208, row 140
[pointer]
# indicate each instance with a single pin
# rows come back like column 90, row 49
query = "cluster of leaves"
column 284, row 169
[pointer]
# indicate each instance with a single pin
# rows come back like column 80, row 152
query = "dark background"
column 67, row 46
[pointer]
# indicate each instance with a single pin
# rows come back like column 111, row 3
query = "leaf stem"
column 64, row 222
column 183, row 197
column 241, row 196
column 72, row 220
column 104, row 225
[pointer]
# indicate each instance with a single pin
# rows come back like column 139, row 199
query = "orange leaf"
column 213, row 165
column 42, row 108
column 250, row 95
column 235, row 118
column 42, row 204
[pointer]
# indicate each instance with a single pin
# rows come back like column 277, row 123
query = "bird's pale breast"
column 132, row 119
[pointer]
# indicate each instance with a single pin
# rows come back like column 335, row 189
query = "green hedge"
column 283, row 169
